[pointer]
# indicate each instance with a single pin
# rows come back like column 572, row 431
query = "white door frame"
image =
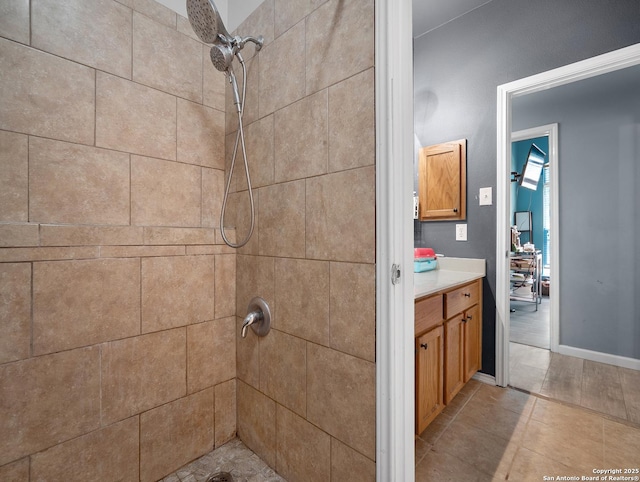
column 602, row 64
column 551, row 131
column 395, row 380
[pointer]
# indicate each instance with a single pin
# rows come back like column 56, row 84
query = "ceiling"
column 429, row 14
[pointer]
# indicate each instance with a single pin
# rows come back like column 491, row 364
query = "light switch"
column 461, row 232
column 485, row 196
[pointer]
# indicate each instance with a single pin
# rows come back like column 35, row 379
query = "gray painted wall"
column 457, row 68
column 599, row 204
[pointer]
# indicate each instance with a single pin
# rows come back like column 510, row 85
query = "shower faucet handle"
column 258, row 317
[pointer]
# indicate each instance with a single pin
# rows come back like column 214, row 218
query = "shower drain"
column 220, row 477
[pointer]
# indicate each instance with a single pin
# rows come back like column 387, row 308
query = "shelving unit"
column 526, row 271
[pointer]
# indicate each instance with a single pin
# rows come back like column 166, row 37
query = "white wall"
column 232, row 14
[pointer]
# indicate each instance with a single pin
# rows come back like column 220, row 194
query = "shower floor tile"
column 233, row 457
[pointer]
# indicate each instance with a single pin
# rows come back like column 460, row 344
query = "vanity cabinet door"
column 442, row 181
column 454, row 357
column 429, row 377
column 472, row 342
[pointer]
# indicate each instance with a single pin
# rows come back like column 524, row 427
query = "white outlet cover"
column 461, row 232
column 486, row 196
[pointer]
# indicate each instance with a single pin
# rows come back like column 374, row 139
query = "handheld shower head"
column 205, row 20
column 221, row 56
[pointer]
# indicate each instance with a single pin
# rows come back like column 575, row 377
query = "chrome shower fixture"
column 209, row 27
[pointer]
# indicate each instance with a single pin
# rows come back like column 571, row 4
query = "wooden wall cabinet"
column 448, row 347
column 442, row 181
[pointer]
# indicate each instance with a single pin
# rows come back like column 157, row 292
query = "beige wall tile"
column 99, row 193
column 353, row 309
column 80, row 303
column 283, row 368
column 107, row 454
column 257, row 422
column 347, row 464
column 177, row 291
column 341, row 394
column 328, row 61
column 155, row 11
column 142, row 373
column 282, row 70
column 282, row 220
column 259, row 22
column 200, row 135
column 301, row 133
column 184, row 26
column 14, row 235
column 225, row 290
column 340, row 216
column 352, row 128
column 175, row 434
column 259, row 140
column 255, row 277
column 302, row 298
column 239, row 215
column 303, row 450
column 45, row 95
column 213, row 82
column 47, row 254
column 15, row 311
column 14, row 20
column 225, row 412
column 14, row 175
column 211, row 249
column 133, row 118
column 165, row 59
column 164, row 193
column 97, row 34
column 212, row 196
column 287, row 13
column 47, row 400
column 211, row 353
column 161, row 235
column 52, row 235
column 16, row 471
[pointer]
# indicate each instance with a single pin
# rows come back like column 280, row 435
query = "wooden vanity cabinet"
column 463, row 340
column 429, row 376
column 448, row 349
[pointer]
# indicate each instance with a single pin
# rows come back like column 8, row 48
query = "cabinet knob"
column 464, row 320
column 423, row 345
column 467, row 295
column 469, row 317
column 455, row 210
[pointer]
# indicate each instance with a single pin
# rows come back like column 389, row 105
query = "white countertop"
column 450, row 273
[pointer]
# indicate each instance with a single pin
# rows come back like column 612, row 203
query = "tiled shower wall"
column 306, row 391
column 117, row 297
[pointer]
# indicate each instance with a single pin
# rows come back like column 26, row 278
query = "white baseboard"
column 484, row 378
column 619, row 361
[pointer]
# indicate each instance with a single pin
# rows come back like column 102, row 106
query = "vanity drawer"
column 428, row 313
column 458, row 300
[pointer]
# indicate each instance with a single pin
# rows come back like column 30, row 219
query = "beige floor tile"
column 570, row 444
column 602, row 390
column 486, row 452
column 527, row 378
column 621, row 445
column 530, row 466
column 445, row 467
column 564, row 379
column 494, row 419
column 513, row 400
column 630, row 380
column 435, row 429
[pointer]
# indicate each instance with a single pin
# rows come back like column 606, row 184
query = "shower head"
column 221, row 56
column 205, row 20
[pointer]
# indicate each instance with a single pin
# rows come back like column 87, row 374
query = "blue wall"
column 525, row 199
